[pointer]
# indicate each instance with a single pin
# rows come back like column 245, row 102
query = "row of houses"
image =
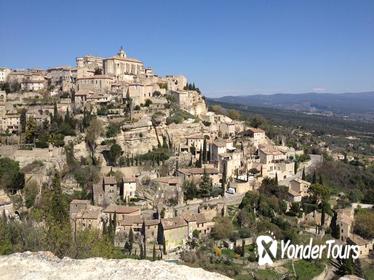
column 169, row 232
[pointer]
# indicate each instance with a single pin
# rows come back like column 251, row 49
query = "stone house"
column 227, row 129
column 190, row 101
column 4, row 72
column 33, row 82
column 269, row 154
column 10, row 121
column 198, row 222
column 121, row 212
column 345, row 218
column 150, row 230
column 97, row 83
column 195, row 174
column 297, row 189
column 231, row 161
column 129, row 188
column 83, row 216
column 257, row 135
column 218, row 147
column 242, row 186
column 168, row 189
column 106, row 191
column 173, row 233
column 364, row 246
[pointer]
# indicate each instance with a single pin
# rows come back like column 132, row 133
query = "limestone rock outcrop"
column 44, row 265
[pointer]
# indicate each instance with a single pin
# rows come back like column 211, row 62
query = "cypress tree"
column 320, row 180
column 314, row 179
column 242, row 252
column 303, row 175
column 205, row 151
column 154, row 252
column 199, row 162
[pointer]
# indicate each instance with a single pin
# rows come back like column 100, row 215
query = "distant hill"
column 337, row 103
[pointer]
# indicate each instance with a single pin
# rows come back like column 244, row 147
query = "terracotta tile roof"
column 80, row 201
column 169, row 180
column 358, row 240
column 256, row 130
column 131, row 220
column 300, row 181
column 120, row 209
column 129, row 180
column 110, row 180
column 172, row 223
column 198, row 171
column 152, row 222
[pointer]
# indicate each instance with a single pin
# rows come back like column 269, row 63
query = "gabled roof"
column 120, row 209
column 131, row 220
column 152, row 222
column 172, row 223
column 198, row 171
column 168, row 180
column 80, row 201
column 110, row 180
column 300, row 181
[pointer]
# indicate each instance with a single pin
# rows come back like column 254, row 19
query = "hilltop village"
column 112, row 148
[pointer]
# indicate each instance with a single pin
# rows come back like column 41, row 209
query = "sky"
column 224, row 47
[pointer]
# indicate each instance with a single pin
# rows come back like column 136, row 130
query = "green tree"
column 130, row 242
column 114, row 153
column 11, row 178
column 94, row 130
column 223, row 228
column 319, row 193
column 314, row 178
column 206, row 185
column 31, row 128
column 205, row 151
column 335, row 228
column 23, row 120
column 154, row 252
column 57, row 219
column 31, row 191
column 190, row 190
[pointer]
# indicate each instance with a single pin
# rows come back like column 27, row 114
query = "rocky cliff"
column 44, row 265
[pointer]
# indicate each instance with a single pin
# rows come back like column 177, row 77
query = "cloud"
column 319, row 89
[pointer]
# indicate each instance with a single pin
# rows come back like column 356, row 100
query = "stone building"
column 190, row 101
column 195, row 174
column 33, row 82
column 298, row 189
column 150, row 230
column 96, row 83
column 62, row 77
column 219, row 147
column 4, row 72
column 129, row 188
column 121, row 212
column 123, row 68
column 10, row 121
column 83, row 216
column 173, row 233
column 88, row 65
